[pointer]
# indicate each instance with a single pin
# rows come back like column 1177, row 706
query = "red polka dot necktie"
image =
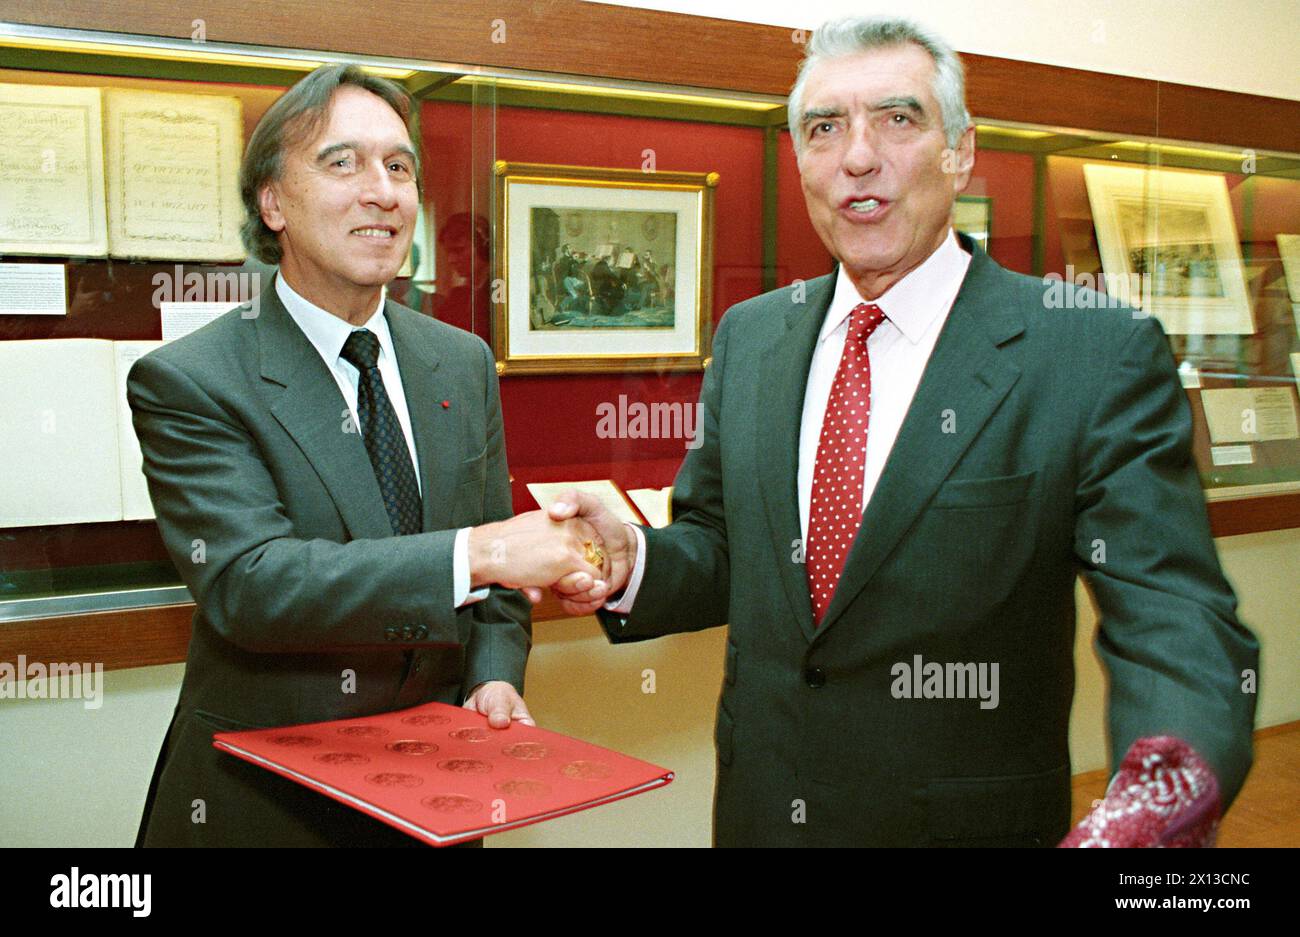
column 836, row 510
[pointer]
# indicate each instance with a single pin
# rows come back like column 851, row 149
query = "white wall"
column 1237, row 45
column 72, row 776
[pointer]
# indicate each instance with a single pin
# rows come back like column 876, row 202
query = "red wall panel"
column 551, row 420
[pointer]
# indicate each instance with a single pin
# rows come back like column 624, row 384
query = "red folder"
column 441, row 774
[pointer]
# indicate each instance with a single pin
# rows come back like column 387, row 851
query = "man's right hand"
column 580, row 593
column 531, row 550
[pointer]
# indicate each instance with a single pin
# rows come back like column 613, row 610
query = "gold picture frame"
column 1288, row 250
column 972, row 215
column 601, row 270
column 1168, row 244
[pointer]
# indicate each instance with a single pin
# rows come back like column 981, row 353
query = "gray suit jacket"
column 1035, row 436
column 308, row 607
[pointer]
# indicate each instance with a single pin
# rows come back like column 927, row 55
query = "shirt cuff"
column 460, row 591
column 622, row 605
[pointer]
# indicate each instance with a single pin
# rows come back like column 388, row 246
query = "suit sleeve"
column 501, row 633
column 686, row 584
column 1169, row 636
column 260, row 587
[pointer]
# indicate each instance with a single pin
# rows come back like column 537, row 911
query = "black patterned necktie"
column 384, row 439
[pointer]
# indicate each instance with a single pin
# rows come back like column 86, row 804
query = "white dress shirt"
column 327, row 334
column 916, row 308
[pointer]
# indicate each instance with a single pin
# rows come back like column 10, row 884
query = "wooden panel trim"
column 720, row 54
column 1251, row 515
column 1207, row 115
column 137, row 637
column 1054, row 96
column 539, row 35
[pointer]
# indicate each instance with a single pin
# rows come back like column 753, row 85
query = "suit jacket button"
column 390, row 633
column 815, row 677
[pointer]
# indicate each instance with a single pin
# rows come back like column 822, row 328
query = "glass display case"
column 1205, row 236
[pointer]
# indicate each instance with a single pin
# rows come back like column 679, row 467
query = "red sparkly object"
column 1165, row 795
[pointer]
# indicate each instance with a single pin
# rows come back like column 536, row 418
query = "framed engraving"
column 52, row 171
column 173, row 175
column 602, row 269
column 1169, row 244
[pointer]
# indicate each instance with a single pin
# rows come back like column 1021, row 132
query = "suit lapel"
column 434, row 430
column 780, row 406
column 314, row 413
column 967, row 375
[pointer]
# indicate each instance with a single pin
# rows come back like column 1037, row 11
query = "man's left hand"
column 501, row 703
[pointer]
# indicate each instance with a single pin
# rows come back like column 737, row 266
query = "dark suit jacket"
column 1035, row 434
column 271, row 512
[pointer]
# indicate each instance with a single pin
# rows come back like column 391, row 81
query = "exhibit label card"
column 173, row 167
column 606, row 490
column 180, row 319
column 52, row 171
column 655, row 504
column 33, row 290
column 1250, row 414
column 1231, row 455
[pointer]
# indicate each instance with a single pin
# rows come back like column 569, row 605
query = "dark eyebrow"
column 405, row 150
column 905, row 102
column 815, row 113
column 353, row 145
column 335, row 148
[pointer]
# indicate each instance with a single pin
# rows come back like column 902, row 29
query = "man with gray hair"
column 905, row 465
column 329, row 475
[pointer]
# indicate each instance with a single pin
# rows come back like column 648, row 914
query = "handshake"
column 576, row 547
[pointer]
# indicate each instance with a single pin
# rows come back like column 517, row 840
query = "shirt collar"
column 326, row 331
column 912, row 303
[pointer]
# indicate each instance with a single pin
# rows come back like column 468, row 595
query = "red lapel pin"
column 446, row 404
